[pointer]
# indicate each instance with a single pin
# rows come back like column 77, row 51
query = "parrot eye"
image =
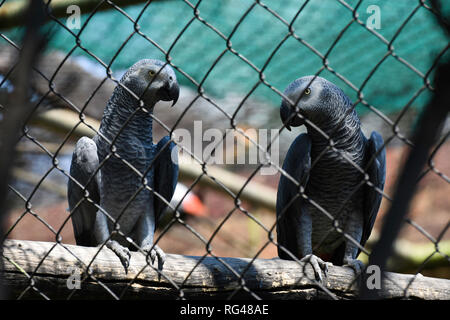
column 307, row 91
column 151, row 73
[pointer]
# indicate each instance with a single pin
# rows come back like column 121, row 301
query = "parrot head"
column 313, row 98
column 152, row 81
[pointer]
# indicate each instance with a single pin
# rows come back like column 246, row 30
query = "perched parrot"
column 327, row 180
column 121, row 163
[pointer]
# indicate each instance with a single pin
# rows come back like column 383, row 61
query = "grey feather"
column 166, row 173
column 289, row 198
column 333, row 181
column 85, row 183
column 376, row 158
column 122, row 156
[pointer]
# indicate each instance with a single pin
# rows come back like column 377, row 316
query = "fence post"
column 19, row 103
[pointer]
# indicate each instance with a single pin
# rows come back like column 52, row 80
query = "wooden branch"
column 48, row 266
column 11, row 13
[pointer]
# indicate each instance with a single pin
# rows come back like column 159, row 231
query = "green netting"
column 257, row 34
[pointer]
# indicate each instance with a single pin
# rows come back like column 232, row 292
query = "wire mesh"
column 55, row 84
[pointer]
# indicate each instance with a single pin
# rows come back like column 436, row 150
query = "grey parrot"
column 330, row 182
column 117, row 165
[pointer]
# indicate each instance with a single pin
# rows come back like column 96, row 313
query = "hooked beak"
column 170, row 92
column 174, row 93
column 289, row 117
column 284, row 114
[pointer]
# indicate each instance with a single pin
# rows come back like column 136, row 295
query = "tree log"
column 35, row 269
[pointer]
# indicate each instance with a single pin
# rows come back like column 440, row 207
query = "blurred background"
column 220, row 50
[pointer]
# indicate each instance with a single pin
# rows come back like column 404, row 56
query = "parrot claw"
column 355, row 264
column 318, row 265
column 153, row 252
column 122, row 252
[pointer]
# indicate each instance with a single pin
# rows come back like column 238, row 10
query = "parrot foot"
column 154, row 251
column 355, row 264
column 122, row 252
column 318, row 265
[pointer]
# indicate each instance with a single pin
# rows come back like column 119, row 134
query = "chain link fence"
column 79, row 82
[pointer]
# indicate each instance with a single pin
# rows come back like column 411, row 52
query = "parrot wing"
column 376, row 153
column 165, row 174
column 83, row 211
column 297, row 164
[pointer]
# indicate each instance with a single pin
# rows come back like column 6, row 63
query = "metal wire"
column 201, row 94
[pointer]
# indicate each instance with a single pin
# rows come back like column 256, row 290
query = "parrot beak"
column 174, row 93
column 288, row 127
column 289, row 117
column 284, row 114
column 170, row 92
